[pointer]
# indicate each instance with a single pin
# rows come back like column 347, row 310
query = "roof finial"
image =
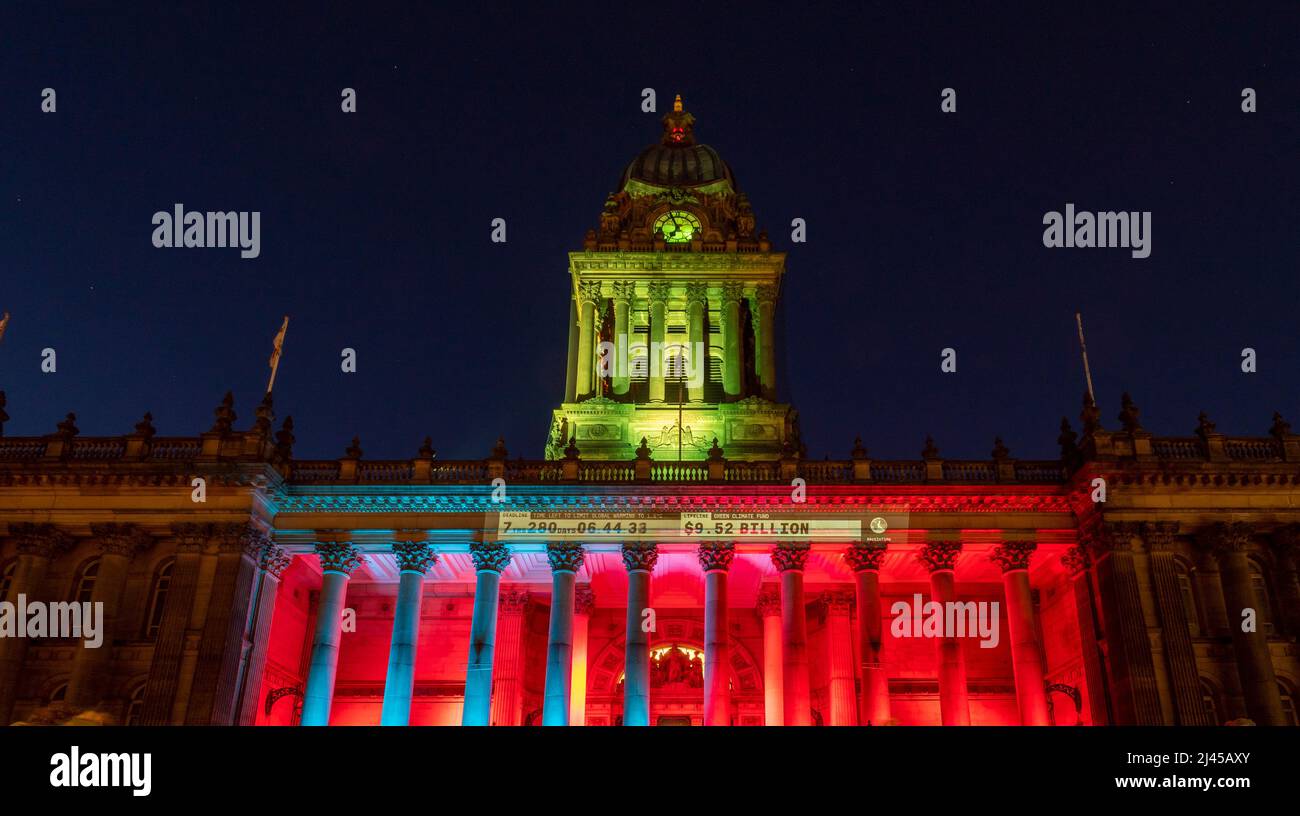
column 677, row 104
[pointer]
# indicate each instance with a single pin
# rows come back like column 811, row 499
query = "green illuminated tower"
column 672, row 335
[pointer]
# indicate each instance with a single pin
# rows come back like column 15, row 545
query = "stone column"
column 1286, row 551
column 588, row 296
column 839, row 658
column 507, row 700
column 715, row 559
column 37, row 544
column 940, row 557
column 1229, row 543
column 1026, row 656
column 698, row 370
column 414, row 558
column 769, row 610
column 1078, row 564
column 1184, row 677
column 790, row 559
column 584, row 600
column 766, row 314
column 623, row 294
column 640, row 562
column 272, row 563
column 566, row 559
column 658, row 333
column 732, row 381
column 865, row 561
column 490, row 559
column 338, row 559
column 1131, row 670
column 92, row 668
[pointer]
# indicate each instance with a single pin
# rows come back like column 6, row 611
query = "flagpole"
column 1087, row 373
column 278, row 344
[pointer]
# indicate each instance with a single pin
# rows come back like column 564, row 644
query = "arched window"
column 1188, row 592
column 1210, row 699
column 84, row 588
column 158, row 600
column 1259, row 583
column 1288, row 703
column 7, row 579
column 135, row 707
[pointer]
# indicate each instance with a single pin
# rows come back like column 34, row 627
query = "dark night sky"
column 924, row 229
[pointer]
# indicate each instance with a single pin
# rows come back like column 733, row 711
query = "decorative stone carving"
column 1128, row 414
column 589, row 291
column 769, row 603
column 658, row 291
column 490, row 556
column 338, row 556
column 733, row 292
column 224, row 414
column 584, row 599
column 1159, row 535
column 1013, row 555
column 1075, row 559
column 697, row 292
column 865, row 557
column 765, row 294
column 624, row 290
column 414, row 556
column 716, row 555
column 939, row 555
column 639, row 556
column 274, row 560
column 120, row 539
column 836, row 602
column 565, row 556
column 514, row 600
column 790, row 556
column 1224, row 537
column 43, row 540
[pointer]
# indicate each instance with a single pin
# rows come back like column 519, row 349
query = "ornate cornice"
column 120, row 539
column 716, row 555
column 939, row 555
column 338, row 556
column 489, row 556
column 1013, row 555
column 565, row 556
column 769, row 603
column 638, row 556
column 414, row 556
column 865, row 557
column 792, row 556
column 42, row 540
column 584, row 599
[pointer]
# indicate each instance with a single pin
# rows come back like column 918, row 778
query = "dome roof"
column 677, row 161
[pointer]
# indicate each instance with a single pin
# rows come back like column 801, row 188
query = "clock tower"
column 672, row 330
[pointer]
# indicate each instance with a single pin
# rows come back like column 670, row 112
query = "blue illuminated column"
column 413, row 560
column 490, row 560
column 715, row 559
column 338, row 560
column 566, row 559
column 640, row 562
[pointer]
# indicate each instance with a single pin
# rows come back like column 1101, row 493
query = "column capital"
column 589, row 291
column 565, row 556
column 1013, row 555
column 489, row 556
column 514, row 600
column 658, row 290
column 716, row 555
column 338, row 556
column 120, row 539
column 836, row 602
column 765, row 294
column 584, row 599
column 733, row 292
column 1158, row 536
column 639, row 556
column 191, row 537
column 1076, row 559
column 624, row 290
column 696, row 292
column 1103, row 537
column 1286, row 541
column 939, row 555
column 43, row 540
column 274, row 560
column 791, row 556
column 865, row 557
column 1222, row 538
column 240, row 537
column 769, row 603
column 414, row 556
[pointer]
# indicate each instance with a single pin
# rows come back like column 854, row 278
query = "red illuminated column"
column 584, row 600
column 715, row 559
column 839, row 658
column 566, row 559
column 769, row 610
column 507, row 699
column 940, row 557
column 640, row 562
column 338, row 560
column 1026, row 657
column 790, row 560
column 413, row 560
column 865, row 561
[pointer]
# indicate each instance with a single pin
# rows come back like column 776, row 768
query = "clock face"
column 677, row 226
